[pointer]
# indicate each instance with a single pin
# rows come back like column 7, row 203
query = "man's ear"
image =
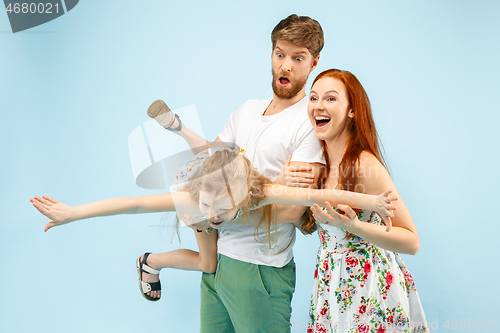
column 314, row 63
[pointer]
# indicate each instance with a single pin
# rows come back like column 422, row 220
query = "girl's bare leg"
column 195, row 142
column 205, row 260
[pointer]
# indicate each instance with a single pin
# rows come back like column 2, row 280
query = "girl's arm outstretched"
column 382, row 203
column 61, row 213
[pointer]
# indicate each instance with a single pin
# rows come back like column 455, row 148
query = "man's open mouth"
column 283, row 81
column 321, row 121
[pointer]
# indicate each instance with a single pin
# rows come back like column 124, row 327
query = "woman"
column 360, row 282
column 223, row 187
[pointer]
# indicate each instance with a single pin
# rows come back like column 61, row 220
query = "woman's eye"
column 312, row 99
column 331, row 99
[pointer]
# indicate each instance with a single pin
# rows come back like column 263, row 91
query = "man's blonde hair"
column 301, row 31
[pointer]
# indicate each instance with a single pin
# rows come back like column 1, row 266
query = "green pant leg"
column 214, row 317
column 280, row 284
column 258, row 298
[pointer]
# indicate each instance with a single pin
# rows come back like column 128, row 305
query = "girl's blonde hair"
column 229, row 171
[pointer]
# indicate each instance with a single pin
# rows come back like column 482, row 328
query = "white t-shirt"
column 268, row 141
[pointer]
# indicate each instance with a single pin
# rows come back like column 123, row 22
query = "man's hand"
column 298, row 176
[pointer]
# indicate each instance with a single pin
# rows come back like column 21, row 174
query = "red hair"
column 362, row 135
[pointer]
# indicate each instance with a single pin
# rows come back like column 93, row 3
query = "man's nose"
column 287, row 64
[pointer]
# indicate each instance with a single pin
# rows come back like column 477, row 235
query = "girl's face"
column 328, row 108
column 218, row 209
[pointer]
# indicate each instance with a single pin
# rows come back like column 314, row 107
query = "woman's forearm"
column 398, row 239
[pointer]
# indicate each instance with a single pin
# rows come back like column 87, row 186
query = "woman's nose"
column 319, row 105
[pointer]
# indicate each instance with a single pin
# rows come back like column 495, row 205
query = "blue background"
column 73, row 89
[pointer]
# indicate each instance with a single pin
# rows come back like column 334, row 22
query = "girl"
column 224, row 187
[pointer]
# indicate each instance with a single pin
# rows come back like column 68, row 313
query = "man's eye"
column 280, row 55
column 299, row 59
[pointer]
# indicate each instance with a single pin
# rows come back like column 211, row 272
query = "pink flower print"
column 324, row 311
column 363, row 328
column 351, row 261
column 390, row 320
column 368, row 267
column 381, row 329
column 320, row 328
column 316, row 273
column 408, row 278
column 325, row 265
column 389, row 279
column 310, row 330
column 321, row 235
column 362, row 309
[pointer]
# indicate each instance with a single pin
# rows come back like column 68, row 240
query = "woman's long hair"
column 361, row 131
column 229, row 171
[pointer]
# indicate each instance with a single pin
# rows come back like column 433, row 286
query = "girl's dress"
column 359, row 287
column 184, row 175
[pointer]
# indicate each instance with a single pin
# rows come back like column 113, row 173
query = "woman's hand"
column 347, row 222
column 58, row 212
column 295, row 176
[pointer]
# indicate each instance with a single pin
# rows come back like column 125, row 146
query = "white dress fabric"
column 359, row 287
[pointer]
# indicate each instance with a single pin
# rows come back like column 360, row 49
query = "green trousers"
column 247, row 298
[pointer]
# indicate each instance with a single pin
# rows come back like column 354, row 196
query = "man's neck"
column 279, row 104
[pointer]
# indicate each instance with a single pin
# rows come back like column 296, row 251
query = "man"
column 252, row 288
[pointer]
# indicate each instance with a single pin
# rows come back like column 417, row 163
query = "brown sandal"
column 160, row 112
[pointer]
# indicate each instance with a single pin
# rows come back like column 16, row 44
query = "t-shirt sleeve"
column 228, row 133
column 307, row 146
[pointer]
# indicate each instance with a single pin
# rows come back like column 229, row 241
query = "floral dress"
column 359, row 287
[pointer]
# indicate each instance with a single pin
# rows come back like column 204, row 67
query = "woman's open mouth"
column 321, row 121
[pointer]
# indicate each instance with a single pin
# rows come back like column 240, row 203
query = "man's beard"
column 287, row 93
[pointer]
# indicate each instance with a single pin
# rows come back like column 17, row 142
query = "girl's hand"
column 295, row 176
column 384, row 207
column 346, row 222
column 58, row 212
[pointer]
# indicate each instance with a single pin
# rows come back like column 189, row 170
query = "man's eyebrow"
column 295, row 53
